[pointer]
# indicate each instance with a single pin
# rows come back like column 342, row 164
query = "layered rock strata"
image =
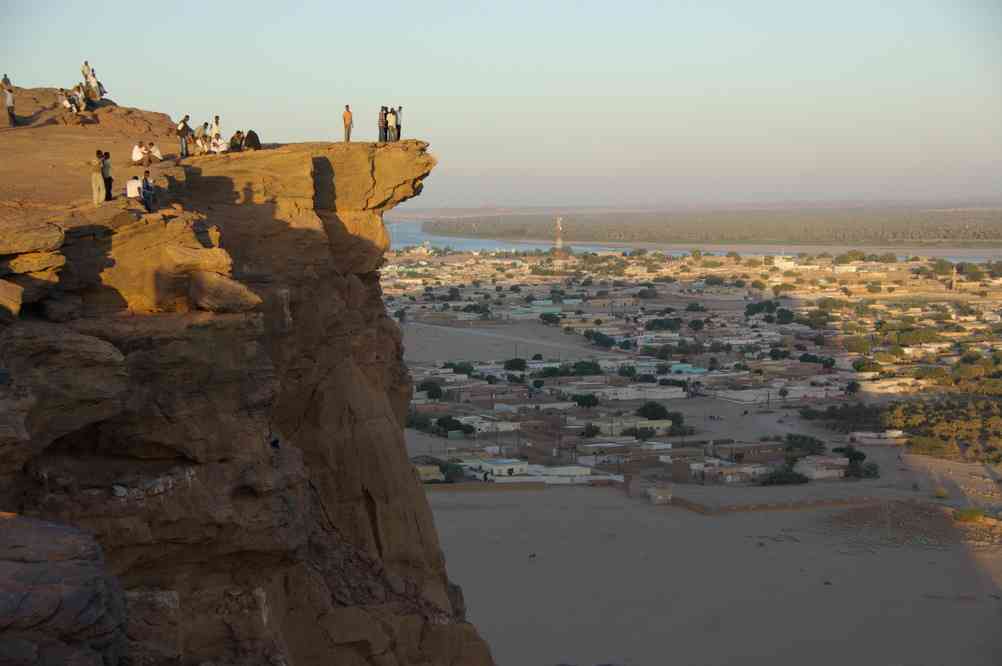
column 217, row 394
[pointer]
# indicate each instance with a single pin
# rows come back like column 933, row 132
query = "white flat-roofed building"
column 486, row 424
column 502, row 467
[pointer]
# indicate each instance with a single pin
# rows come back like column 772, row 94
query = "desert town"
column 698, row 379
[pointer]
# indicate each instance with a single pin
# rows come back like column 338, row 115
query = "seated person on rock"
column 134, row 188
column 148, row 192
column 140, row 155
column 251, row 141
column 78, row 99
column 202, row 139
column 153, row 150
column 217, row 146
column 237, row 142
column 68, row 102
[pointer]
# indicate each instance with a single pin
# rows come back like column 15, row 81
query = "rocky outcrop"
column 217, row 394
column 11, row 298
column 58, row 604
column 21, row 237
column 37, row 107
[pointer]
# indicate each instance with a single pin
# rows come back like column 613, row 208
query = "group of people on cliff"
column 85, row 95
column 389, row 123
column 208, row 138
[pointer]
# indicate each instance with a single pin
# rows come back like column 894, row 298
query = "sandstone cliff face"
column 58, row 604
column 217, row 394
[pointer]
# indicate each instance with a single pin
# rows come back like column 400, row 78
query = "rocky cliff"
column 216, row 393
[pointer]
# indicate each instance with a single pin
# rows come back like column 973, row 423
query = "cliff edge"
column 216, row 393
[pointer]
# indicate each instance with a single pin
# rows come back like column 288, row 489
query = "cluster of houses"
column 659, row 329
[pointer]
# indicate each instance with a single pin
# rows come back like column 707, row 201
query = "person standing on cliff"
column 97, row 178
column 183, row 132
column 215, row 129
column 400, row 121
column 348, row 123
column 391, row 125
column 106, row 176
column 382, row 124
column 8, row 102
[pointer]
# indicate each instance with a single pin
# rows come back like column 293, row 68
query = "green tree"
column 433, row 389
column 653, row 411
column 515, row 365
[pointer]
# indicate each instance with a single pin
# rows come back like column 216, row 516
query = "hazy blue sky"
column 632, row 102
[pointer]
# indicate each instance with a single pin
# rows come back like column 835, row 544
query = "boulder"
column 20, row 236
column 11, row 297
column 65, row 607
column 30, row 262
column 218, row 293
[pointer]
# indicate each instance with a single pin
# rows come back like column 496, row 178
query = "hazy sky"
column 551, row 102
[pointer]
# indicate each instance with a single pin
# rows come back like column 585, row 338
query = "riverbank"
column 412, row 233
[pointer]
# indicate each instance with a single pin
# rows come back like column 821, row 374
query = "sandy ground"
column 419, row 443
column 729, row 420
column 621, row 582
column 429, row 342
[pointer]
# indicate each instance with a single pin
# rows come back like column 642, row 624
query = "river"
column 403, row 234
